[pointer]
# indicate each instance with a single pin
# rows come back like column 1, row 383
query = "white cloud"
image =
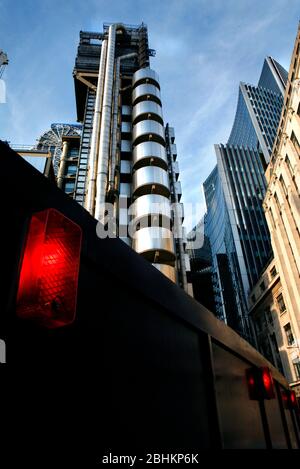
column 204, row 48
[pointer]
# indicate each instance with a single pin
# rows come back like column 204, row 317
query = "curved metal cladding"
column 148, row 154
column 145, row 75
column 148, row 130
column 150, row 179
column 155, row 205
column 147, row 110
column 156, row 244
column 167, row 270
column 146, row 92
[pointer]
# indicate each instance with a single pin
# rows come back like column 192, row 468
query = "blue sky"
column 203, row 49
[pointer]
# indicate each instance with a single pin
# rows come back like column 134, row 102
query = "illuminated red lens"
column 260, row 383
column 251, row 381
column 49, row 272
column 268, row 384
column 293, row 400
column 285, row 398
column 289, row 399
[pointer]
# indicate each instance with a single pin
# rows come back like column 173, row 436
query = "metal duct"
column 111, row 178
column 103, row 157
column 91, row 185
column 62, row 165
column 104, row 142
column 177, row 223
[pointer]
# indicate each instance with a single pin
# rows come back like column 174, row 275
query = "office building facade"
column 258, row 110
column 282, row 203
column 201, row 265
column 234, row 193
column 127, row 155
column 274, row 324
column 230, row 302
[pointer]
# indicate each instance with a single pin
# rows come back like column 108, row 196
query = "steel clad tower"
column 127, row 156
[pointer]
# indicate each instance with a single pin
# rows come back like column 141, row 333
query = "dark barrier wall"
column 144, row 367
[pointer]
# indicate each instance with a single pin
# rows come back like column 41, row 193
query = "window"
column 72, row 169
column 296, row 364
column 295, row 143
column 273, row 272
column 289, row 334
column 269, row 316
column 281, row 303
column 69, row 186
column 253, row 299
column 266, row 350
column 272, row 218
column 74, row 152
column 283, row 186
column 290, row 168
column 258, row 325
column 262, row 286
column 277, row 202
column 276, row 352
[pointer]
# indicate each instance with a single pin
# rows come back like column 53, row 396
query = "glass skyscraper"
column 234, row 192
column 230, row 304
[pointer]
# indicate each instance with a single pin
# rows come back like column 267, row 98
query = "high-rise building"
column 201, row 265
column 127, row 156
column 258, row 110
column 282, row 208
column 234, row 193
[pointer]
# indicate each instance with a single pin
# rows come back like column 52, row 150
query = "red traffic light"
column 48, row 280
column 260, row 383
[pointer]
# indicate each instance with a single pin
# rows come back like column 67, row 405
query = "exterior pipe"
column 62, row 165
column 111, row 179
column 112, row 165
column 113, row 157
column 91, row 185
column 178, row 227
column 103, row 157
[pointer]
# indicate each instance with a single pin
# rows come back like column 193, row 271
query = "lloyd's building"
column 127, row 157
